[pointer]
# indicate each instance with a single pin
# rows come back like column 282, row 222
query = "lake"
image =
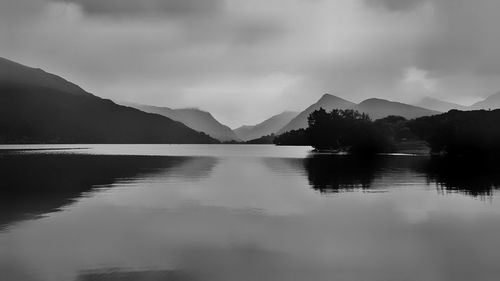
column 243, row 212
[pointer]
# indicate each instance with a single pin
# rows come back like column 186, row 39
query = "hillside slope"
column 439, row 105
column 195, row 119
column 380, row 108
column 375, row 108
column 491, row 102
column 327, row 102
column 269, row 126
column 39, row 107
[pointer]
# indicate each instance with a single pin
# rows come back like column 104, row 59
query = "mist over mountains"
column 266, row 127
column 439, row 105
column 491, row 102
column 40, row 107
column 196, row 119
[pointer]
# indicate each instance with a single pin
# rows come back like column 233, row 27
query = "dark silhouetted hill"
column 15, row 73
column 265, row 128
column 38, row 107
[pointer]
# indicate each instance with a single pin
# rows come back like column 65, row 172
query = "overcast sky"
column 246, row 60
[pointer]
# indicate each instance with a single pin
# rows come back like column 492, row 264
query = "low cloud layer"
column 246, row 60
column 396, row 5
column 172, row 8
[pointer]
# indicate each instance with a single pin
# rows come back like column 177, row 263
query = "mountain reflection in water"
column 86, row 217
column 35, row 184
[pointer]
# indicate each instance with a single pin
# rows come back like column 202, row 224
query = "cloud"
column 396, row 5
column 245, row 60
column 148, row 7
column 464, row 39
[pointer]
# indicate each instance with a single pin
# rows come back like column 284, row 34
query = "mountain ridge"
column 326, row 101
column 438, row 105
column 13, row 72
column 267, row 127
column 40, row 107
column 196, row 119
column 376, row 108
column 491, row 102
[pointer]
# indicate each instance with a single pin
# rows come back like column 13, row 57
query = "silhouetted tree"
column 395, row 126
column 268, row 139
column 294, row 137
column 346, row 130
column 465, row 133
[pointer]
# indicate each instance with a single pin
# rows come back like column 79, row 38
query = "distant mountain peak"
column 330, row 98
column 374, row 100
column 266, row 127
column 194, row 118
column 491, row 102
column 327, row 102
column 376, row 108
column 495, row 96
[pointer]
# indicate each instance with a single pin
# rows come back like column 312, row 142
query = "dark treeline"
column 465, row 133
column 262, row 140
column 293, row 137
column 348, row 130
column 459, row 133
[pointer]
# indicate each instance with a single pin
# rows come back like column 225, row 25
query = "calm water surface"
column 235, row 212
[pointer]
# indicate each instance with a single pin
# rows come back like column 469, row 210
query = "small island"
column 455, row 133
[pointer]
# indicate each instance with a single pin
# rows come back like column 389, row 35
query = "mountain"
column 12, row 72
column 327, row 102
column 491, row 102
column 267, row 127
column 439, row 105
column 376, row 108
column 39, row 107
column 195, row 119
column 380, row 108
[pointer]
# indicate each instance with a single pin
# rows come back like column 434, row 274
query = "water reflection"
column 343, row 173
column 35, row 184
column 114, row 275
column 475, row 177
column 337, row 173
column 246, row 218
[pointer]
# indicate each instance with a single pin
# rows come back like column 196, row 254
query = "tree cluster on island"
column 463, row 133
